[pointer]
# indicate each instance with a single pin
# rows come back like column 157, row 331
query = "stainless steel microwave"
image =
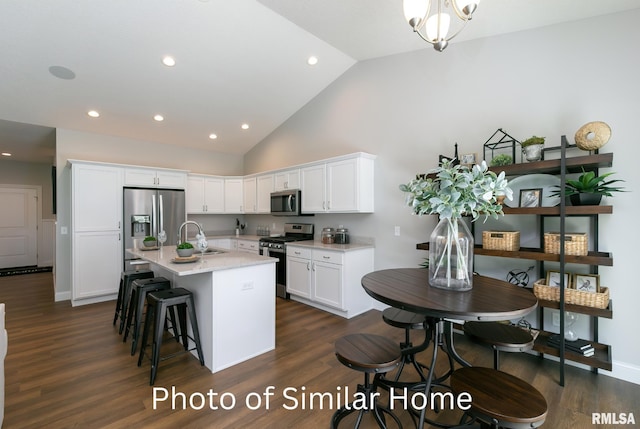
column 286, row 203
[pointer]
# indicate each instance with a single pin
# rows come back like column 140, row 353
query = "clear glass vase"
column 451, row 255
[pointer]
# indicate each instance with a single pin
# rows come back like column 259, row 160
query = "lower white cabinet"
column 97, row 264
column 248, row 246
column 329, row 279
column 222, row 243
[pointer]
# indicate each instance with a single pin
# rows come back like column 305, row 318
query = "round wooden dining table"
column 408, row 289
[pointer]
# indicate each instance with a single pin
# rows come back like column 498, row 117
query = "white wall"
column 409, row 108
column 94, row 147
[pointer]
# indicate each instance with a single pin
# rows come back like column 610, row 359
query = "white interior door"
column 18, row 227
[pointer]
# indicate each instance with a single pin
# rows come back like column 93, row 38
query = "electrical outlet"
column 556, row 318
column 64, row 230
column 396, row 231
column 247, row 286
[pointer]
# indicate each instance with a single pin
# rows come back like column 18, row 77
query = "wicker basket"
column 574, row 243
column 572, row 296
column 501, row 240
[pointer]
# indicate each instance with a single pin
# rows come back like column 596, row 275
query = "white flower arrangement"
column 457, row 190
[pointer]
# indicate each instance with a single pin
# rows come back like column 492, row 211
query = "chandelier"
column 433, row 25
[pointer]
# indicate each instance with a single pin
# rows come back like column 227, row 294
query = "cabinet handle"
column 296, row 253
column 323, row 207
column 206, row 208
column 326, row 257
column 313, row 266
column 328, row 205
column 308, row 266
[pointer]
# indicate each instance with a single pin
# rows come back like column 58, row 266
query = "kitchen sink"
column 211, row 251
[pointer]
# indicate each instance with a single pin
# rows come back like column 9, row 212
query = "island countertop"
column 208, row 263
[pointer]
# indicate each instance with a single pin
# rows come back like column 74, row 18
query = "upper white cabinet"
column 249, row 190
column 233, row 196
column 150, row 177
column 205, row 194
column 338, row 186
column 96, row 197
column 287, row 179
column 265, row 187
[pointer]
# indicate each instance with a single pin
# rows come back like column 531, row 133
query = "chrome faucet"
column 184, row 224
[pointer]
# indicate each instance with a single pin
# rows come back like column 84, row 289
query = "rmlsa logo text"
column 613, row 419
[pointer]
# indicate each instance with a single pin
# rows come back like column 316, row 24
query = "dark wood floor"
column 68, row 368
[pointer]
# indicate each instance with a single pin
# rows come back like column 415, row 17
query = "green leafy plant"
column 502, row 159
column 457, row 190
column 589, row 183
column 149, row 238
column 532, row 140
column 185, row 245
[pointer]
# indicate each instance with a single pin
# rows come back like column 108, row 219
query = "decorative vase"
column 532, row 152
column 185, row 253
column 150, row 243
column 451, row 255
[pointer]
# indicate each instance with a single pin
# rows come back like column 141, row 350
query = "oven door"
column 281, row 270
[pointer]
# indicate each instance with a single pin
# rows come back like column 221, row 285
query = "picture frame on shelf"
column 469, row 159
column 553, row 279
column 531, row 197
column 587, row 282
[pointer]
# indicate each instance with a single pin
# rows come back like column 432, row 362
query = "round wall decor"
column 593, row 135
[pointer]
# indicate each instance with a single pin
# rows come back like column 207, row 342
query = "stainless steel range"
column 276, row 247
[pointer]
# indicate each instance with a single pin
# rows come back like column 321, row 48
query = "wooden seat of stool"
column 500, row 399
column 370, row 354
column 406, row 320
column 501, row 337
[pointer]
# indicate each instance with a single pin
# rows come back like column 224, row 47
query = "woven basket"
column 501, row 240
column 574, row 243
column 572, row 296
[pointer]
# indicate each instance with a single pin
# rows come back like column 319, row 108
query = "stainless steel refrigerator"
column 146, row 212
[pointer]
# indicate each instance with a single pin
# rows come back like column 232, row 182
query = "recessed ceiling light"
column 312, row 61
column 93, row 113
column 158, row 118
column 245, row 126
column 169, row 61
column 6, row 154
column 213, row 136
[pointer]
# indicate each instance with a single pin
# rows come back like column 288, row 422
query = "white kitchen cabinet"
column 205, row 194
column 264, row 188
column 96, row 227
column 328, row 279
column 340, row 186
column 155, row 178
column 249, row 195
column 287, row 179
column 233, row 196
column 299, row 272
column 248, row 246
column 222, row 243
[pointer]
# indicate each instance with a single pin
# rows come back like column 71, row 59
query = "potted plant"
column 185, row 249
column 149, row 241
column 532, row 148
column 589, row 188
column 502, row 159
column 452, row 191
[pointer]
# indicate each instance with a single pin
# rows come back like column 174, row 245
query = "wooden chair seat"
column 403, row 319
column 368, row 353
column 500, row 399
column 499, row 336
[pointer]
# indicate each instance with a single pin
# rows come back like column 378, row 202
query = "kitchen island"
column 234, row 294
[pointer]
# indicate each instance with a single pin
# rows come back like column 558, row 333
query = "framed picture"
column 587, row 282
column 553, row 279
column 469, row 159
column 531, row 197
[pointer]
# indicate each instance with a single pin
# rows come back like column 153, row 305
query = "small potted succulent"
column 589, row 188
column 185, row 249
column 500, row 160
column 150, row 241
column 532, row 148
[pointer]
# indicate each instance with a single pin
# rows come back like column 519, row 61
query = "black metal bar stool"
column 498, row 399
column 157, row 305
column 139, row 290
column 500, row 337
column 406, row 320
column 124, row 293
column 370, row 354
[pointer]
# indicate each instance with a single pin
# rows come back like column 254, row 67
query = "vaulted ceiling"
column 237, row 62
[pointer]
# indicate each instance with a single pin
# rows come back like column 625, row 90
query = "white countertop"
column 315, row 244
column 210, row 262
